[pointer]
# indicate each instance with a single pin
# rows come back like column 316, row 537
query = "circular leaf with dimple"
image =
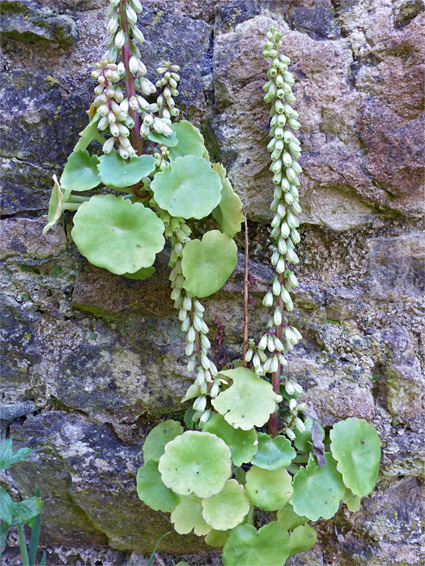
column 217, row 538
column 248, row 547
column 208, row 263
column 152, row 491
column 195, row 462
column 118, row 172
column 226, row 509
column 80, row 173
column 188, row 188
column 228, row 213
column 273, row 453
column 289, row 519
column 189, row 140
column 268, row 490
column 155, row 442
column 242, row 443
column 248, row 402
column 318, row 490
column 302, row 539
column 113, row 233
column 187, row 516
column 356, row 447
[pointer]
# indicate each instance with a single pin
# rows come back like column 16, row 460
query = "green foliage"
column 208, row 263
column 190, row 140
column 195, row 462
column 168, row 141
column 273, row 453
column 113, row 233
column 268, row 490
column 228, row 213
column 187, row 516
column 89, row 134
column 57, row 199
column 154, row 445
column 117, row 172
column 188, row 188
column 152, row 491
column 7, row 457
column 356, row 447
column 248, row 402
column 302, row 539
column 226, row 509
column 80, row 173
column 289, row 519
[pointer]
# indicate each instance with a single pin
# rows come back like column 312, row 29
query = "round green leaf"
column 352, row 501
column 356, row 447
column 318, row 490
column 289, row 519
column 188, row 188
column 208, row 263
column 168, row 141
column 195, row 462
column 242, row 443
column 229, row 211
column 155, row 442
column 140, row 274
column 273, row 453
column 189, row 140
column 302, row 539
column 248, row 547
column 80, row 173
column 226, row 509
column 248, row 402
column 113, row 233
column 187, row 516
column 268, row 490
column 118, row 172
column 217, row 538
column 55, row 205
column 152, row 491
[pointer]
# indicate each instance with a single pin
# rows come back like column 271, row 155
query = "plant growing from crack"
column 213, row 477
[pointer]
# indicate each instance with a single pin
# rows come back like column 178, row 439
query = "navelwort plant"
column 251, row 445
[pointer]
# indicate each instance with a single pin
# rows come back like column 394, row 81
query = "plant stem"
column 136, row 141
column 23, row 546
column 245, row 297
column 273, row 424
column 71, row 206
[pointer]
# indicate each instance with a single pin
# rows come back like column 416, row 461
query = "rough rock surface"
column 90, row 362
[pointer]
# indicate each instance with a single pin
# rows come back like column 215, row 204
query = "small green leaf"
column 208, row 263
column 113, row 233
column 229, row 211
column 248, row 547
column 6, row 507
column 242, row 443
column 303, row 538
column 190, row 140
column 4, row 529
column 318, row 490
column 217, row 538
column 152, row 491
column 273, row 453
column 55, row 205
column 80, row 173
column 227, row 509
column 7, row 458
column 268, row 490
column 187, row 516
column 141, row 274
column 168, row 141
column 25, row 511
column 352, row 501
column 89, row 134
column 356, row 446
column 289, row 519
column 117, row 172
column 303, row 440
column 155, row 442
column 248, row 402
column 188, row 188
column 195, row 462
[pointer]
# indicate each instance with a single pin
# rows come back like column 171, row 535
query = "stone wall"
column 91, row 361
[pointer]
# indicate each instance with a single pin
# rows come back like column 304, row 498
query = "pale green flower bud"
column 205, row 342
column 280, row 267
column 249, row 354
column 268, row 299
column 99, row 89
column 133, row 65
column 120, row 39
column 289, row 97
column 284, row 230
column 131, row 14
column 189, row 349
column 276, row 166
column 300, row 425
column 137, row 6
column 281, row 121
column 215, row 389
column 286, row 297
column 275, row 257
column 200, row 404
column 108, row 146
column 282, row 247
column 276, row 288
column 288, row 78
column 113, row 128
column 292, row 256
column 294, row 124
column 276, row 154
column 103, row 123
column 185, row 324
column 103, row 110
column 292, row 220
column 297, row 167
column 287, row 159
column 267, row 365
column 112, row 24
column 191, row 364
column 295, row 236
column 296, row 207
column 289, row 199
column 274, row 365
column 290, row 434
column 121, row 68
column 277, row 317
column 111, row 117
column 289, row 388
column 187, row 302
column 137, row 35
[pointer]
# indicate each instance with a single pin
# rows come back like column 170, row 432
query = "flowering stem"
column 136, row 141
column 245, row 297
column 273, row 424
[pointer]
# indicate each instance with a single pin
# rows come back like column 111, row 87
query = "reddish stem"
column 273, row 425
column 245, row 297
column 136, row 140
